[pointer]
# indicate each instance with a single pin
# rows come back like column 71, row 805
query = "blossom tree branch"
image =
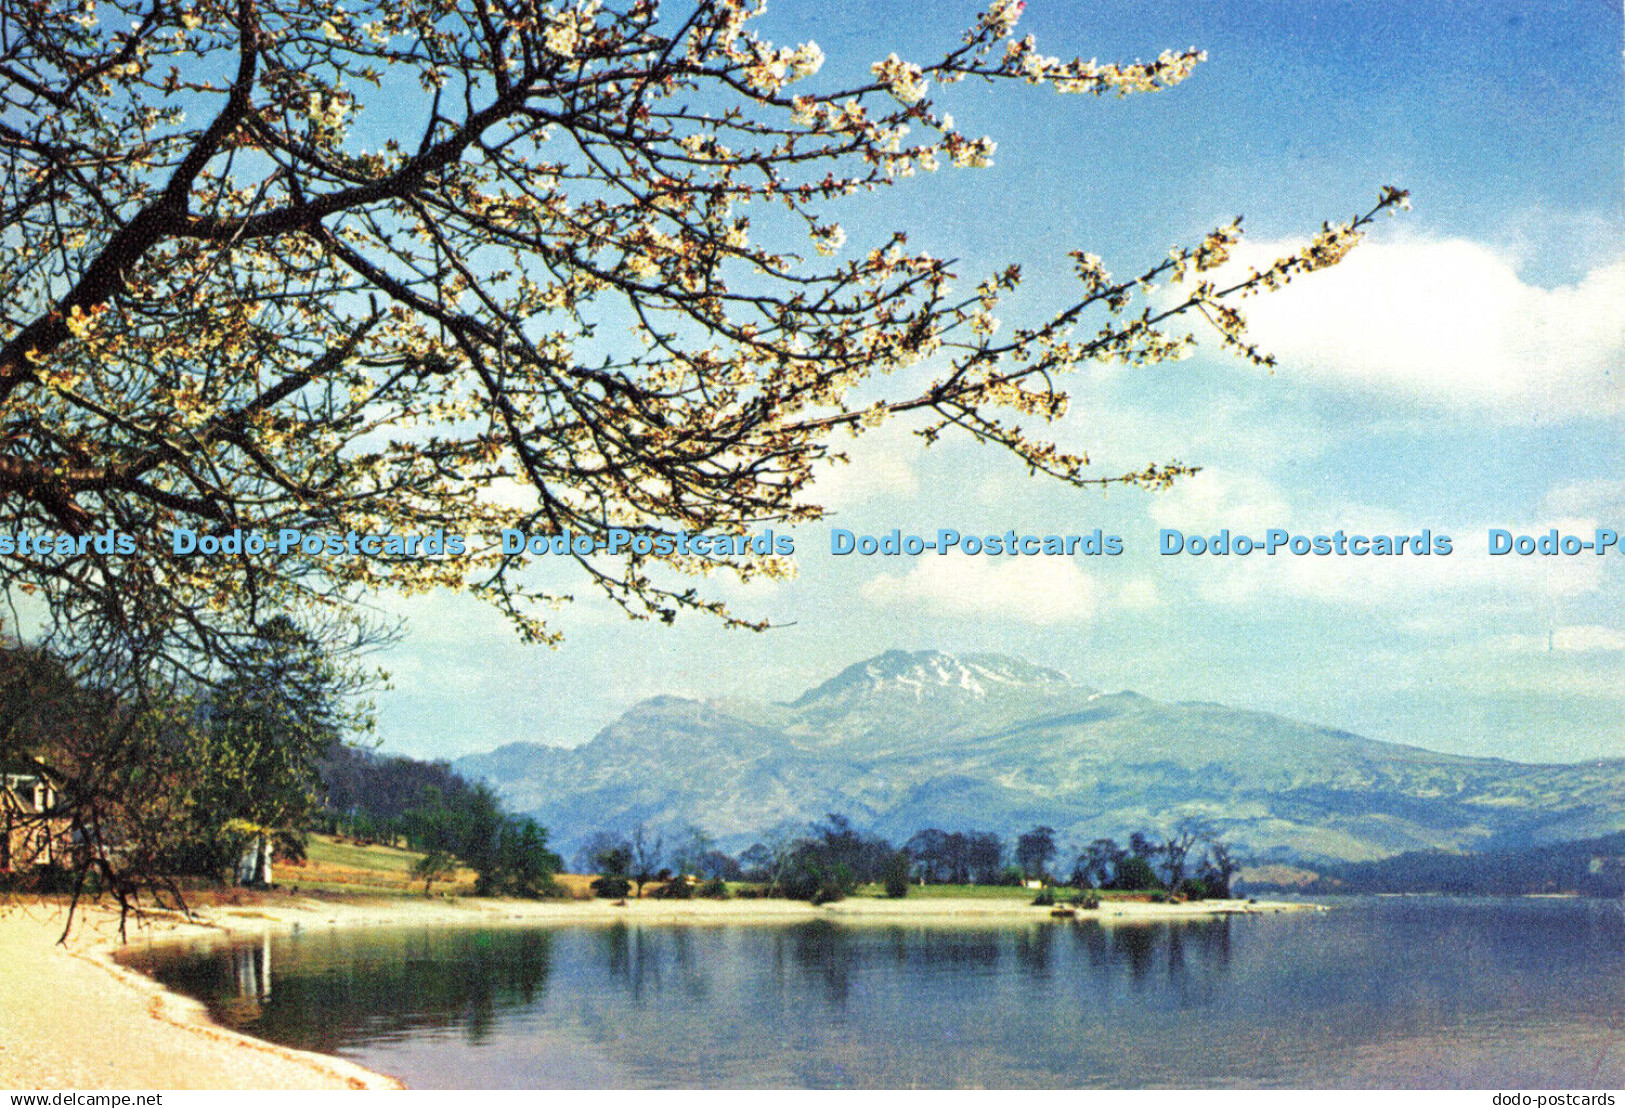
column 466, row 265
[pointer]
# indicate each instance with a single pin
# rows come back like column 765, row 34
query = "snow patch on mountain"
column 932, row 673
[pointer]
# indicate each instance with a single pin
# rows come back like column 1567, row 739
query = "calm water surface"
column 1376, row 993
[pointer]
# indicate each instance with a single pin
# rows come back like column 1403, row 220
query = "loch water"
column 1376, row 992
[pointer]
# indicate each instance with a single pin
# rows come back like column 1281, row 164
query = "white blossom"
column 828, row 239
column 806, row 60
column 1002, row 16
column 904, row 81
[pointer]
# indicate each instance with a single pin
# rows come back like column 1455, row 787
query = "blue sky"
column 1459, row 371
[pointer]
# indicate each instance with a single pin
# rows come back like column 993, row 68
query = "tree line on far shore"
column 831, row 859
column 1584, row 867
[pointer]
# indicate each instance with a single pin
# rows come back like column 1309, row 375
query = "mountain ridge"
column 907, row 740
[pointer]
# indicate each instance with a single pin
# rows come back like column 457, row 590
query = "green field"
column 1063, row 893
column 956, row 892
column 326, row 850
column 339, row 866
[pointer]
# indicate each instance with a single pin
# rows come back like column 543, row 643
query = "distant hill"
column 911, row 740
column 1590, row 867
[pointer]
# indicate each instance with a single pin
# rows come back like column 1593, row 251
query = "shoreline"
column 72, row 1017
column 146, row 1036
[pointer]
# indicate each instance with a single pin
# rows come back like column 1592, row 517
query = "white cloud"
column 1449, row 323
column 1122, row 433
column 1583, row 638
column 1036, row 590
column 1590, row 500
column 1139, row 593
column 507, row 492
column 1219, row 497
column 881, row 465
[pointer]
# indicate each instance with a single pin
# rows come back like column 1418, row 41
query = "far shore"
column 282, row 912
column 72, row 1017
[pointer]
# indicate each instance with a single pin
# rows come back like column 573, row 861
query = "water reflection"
column 332, row 987
column 1386, row 993
column 251, row 975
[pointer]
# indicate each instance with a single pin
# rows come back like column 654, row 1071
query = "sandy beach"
column 71, row 1017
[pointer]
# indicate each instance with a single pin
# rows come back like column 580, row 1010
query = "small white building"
column 31, row 833
column 254, row 867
